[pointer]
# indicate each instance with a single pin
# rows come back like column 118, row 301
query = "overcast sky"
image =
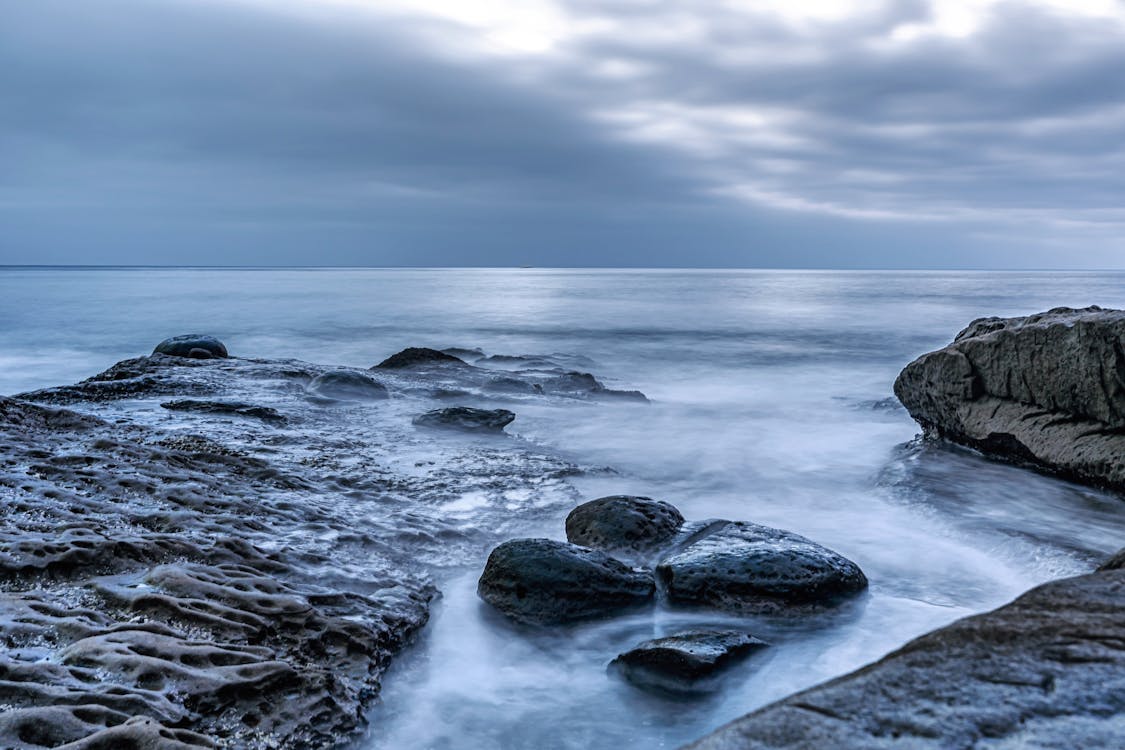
column 796, row 133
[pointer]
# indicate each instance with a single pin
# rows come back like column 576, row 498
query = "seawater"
column 771, row 402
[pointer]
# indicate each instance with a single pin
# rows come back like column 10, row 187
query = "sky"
column 712, row 133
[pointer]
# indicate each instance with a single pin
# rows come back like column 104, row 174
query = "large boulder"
column 415, row 356
column 466, row 418
column 685, row 662
column 347, row 385
column 192, row 345
column 1046, row 671
column 1047, row 389
column 636, row 527
column 542, row 582
column 751, row 569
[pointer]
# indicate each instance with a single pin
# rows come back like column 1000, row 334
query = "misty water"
column 771, row 402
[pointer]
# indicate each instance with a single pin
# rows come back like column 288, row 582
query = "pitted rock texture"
column 746, row 568
column 685, row 662
column 1047, row 389
column 169, row 579
column 227, row 408
column 1046, row 671
column 466, row 418
column 624, row 525
column 348, row 385
column 544, row 582
column 193, row 346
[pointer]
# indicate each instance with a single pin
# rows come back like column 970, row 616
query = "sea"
column 770, row 401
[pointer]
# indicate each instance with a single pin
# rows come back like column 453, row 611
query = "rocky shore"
column 200, row 550
column 1048, row 669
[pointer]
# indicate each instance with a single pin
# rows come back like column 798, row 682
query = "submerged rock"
column 685, row 662
column 193, row 346
column 228, row 408
column 414, row 356
column 466, row 418
column 348, row 385
column 1046, row 671
column 542, row 582
column 746, row 568
column 1047, row 389
column 624, row 524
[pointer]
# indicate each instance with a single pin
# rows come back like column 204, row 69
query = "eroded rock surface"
column 542, row 582
column 685, row 662
column 624, row 525
column 173, row 580
column 752, row 569
column 1046, row 671
column 1047, row 389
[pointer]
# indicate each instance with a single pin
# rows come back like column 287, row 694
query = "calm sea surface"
column 771, row 402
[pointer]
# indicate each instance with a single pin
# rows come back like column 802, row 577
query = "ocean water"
column 771, row 402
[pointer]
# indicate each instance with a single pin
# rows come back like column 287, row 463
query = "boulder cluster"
column 624, row 551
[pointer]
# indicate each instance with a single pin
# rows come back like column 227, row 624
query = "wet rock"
column 513, row 386
column 466, row 418
column 1047, row 389
column 193, row 346
column 624, row 525
column 415, row 356
column 746, row 568
column 542, row 582
column 348, row 385
column 1046, row 671
column 227, row 408
column 685, row 662
column 585, row 385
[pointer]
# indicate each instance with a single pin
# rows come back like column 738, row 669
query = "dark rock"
column 466, row 418
column 541, row 581
column 229, row 408
column 348, row 385
column 1046, row 671
column 747, row 568
column 622, row 524
column 415, row 356
column 1047, row 389
column 585, row 385
column 685, row 662
column 193, row 346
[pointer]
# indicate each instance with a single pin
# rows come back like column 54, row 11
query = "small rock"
column 348, row 385
column 624, row 524
column 466, row 418
column 542, row 582
column 193, row 345
column 685, row 662
column 414, row 356
column 752, row 569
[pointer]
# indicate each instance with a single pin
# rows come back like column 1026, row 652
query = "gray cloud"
column 153, row 131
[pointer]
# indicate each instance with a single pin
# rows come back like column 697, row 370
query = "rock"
column 685, row 662
column 542, row 582
column 466, row 418
column 193, row 346
column 1047, row 389
column 414, row 356
column 463, row 353
column 228, row 408
column 751, row 569
column 622, row 524
column 348, row 385
column 513, row 386
column 1046, row 671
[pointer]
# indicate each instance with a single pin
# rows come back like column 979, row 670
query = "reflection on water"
column 770, row 404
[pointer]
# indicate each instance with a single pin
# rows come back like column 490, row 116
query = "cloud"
column 619, row 132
